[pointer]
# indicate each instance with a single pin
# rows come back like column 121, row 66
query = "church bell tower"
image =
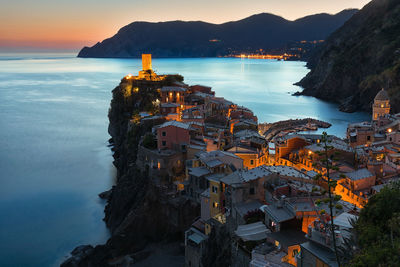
column 381, row 105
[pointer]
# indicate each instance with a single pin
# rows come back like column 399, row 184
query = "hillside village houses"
column 208, row 150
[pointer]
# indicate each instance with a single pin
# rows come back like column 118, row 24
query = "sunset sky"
column 71, row 24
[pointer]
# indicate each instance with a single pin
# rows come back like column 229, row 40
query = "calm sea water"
column 54, row 158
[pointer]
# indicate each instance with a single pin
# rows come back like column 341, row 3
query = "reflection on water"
column 54, row 158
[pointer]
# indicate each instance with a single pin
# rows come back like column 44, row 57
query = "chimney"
column 281, row 202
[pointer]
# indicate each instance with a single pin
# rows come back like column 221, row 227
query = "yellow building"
column 381, row 105
column 216, row 195
column 252, row 157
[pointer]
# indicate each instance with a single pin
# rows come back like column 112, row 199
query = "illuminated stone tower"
column 381, row 105
column 147, row 73
column 146, row 61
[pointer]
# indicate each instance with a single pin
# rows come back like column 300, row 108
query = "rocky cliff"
column 359, row 59
column 201, row 39
column 137, row 212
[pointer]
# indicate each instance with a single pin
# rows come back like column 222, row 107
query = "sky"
column 72, row 24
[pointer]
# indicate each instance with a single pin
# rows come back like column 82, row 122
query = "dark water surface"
column 54, row 158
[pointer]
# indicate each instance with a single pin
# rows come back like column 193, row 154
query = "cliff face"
column 137, row 212
column 359, row 59
column 201, row 39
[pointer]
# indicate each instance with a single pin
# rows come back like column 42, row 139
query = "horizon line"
column 77, row 45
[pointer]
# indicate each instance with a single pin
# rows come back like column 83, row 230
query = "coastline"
column 136, row 199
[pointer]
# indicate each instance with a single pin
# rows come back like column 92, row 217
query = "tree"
column 149, row 141
column 377, row 230
column 326, row 162
column 218, row 248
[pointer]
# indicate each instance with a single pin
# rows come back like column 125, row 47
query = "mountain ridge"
column 358, row 59
column 202, row 39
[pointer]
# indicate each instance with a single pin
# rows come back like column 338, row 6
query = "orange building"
column 286, row 144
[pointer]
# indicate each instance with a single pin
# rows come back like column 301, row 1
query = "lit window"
column 295, row 252
column 215, row 204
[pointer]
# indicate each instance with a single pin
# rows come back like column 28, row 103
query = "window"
column 368, row 138
column 252, row 191
column 215, row 205
column 214, row 189
column 295, row 252
column 164, row 134
column 164, row 143
column 251, row 162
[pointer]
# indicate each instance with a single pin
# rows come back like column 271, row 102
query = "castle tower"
column 381, row 105
column 146, row 61
column 147, row 73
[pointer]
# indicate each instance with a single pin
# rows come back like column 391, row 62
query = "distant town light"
column 389, row 130
column 129, row 76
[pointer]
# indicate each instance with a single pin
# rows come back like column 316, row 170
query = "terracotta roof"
column 359, row 174
column 175, row 124
column 173, row 89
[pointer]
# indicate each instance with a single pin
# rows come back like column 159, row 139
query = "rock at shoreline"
column 136, row 212
column 359, row 59
column 105, row 194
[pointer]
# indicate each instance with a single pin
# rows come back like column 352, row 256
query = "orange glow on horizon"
column 76, row 24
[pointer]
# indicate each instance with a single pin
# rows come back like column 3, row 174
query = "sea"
column 54, row 158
